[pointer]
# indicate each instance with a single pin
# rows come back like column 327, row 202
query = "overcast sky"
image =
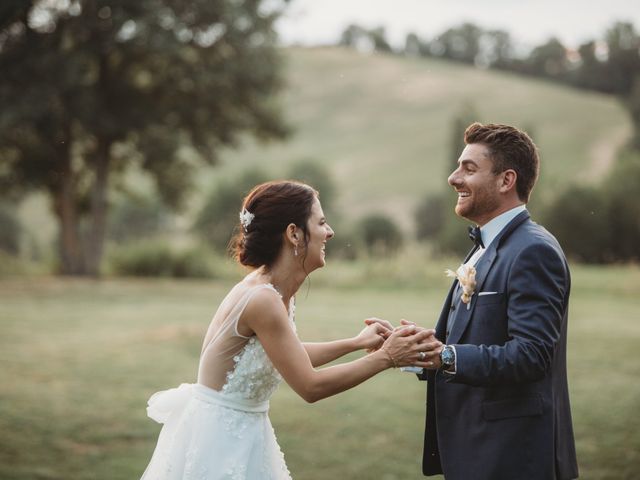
column 530, row 22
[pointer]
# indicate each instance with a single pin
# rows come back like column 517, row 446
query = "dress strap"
column 244, row 301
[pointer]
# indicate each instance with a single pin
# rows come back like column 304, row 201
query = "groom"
column 497, row 396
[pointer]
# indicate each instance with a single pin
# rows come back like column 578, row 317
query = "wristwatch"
column 448, row 357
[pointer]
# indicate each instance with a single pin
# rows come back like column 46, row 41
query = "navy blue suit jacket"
column 505, row 414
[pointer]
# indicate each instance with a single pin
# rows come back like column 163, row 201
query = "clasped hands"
column 406, row 345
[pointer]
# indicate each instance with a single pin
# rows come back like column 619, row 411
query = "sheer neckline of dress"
column 272, row 286
column 290, row 308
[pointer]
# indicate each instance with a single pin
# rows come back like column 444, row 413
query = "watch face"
column 447, row 356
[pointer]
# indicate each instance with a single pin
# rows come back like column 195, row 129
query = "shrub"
column 216, row 221
column 318, row 176
column 136, row 217
column 380, row 234
column 345, row 245
column 158, row 259
column 431, row 216
column 620, row 191
column 578, row 219
column 600, row 224
column 454, row 237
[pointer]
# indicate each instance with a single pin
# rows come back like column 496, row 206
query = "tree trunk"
column 95, row 248
column 64, row 206
column 101, row 158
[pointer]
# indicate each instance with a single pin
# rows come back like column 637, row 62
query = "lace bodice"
column 254, row 377
column 251, row 375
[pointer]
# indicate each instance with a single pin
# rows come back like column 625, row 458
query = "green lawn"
column 80, row 358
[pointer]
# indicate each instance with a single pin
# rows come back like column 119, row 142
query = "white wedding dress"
column 218, row 428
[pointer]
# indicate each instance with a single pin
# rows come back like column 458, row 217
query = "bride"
column 218, row 428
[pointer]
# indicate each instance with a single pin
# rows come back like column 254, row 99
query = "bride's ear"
column 292, row 234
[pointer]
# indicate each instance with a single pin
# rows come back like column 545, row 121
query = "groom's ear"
column 509, row 179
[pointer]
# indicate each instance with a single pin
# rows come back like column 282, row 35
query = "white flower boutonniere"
column 466, row 275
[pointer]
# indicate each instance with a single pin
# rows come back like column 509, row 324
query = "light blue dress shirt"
column 493, row 228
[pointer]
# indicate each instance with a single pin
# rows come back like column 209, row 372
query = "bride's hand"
column 385, row 323
column 410, row 345
column 373, row 335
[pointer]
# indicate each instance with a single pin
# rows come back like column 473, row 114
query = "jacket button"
column 453, row 307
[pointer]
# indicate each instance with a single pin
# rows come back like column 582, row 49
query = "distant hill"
column 383, row 125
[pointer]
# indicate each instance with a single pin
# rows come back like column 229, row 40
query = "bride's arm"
column 370, row 338
column 266, row 316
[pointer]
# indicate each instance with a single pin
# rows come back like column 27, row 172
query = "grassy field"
column 80, row 358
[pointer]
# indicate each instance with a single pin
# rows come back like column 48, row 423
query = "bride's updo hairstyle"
column 271, row 207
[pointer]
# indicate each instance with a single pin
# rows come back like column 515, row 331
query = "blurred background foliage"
column 90, row 88
column 125, row 121
column 114, row 110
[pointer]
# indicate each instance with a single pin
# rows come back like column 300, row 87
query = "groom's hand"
column 410, row 345
column 431, row 347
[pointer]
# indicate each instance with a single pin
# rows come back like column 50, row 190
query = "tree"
column 379, row 38
column 496, row 49
column 413, row 45
column 364, row 40
column 632, row 104
column 350, row 36
column 358, row 38
column 623, row 61
column 461, row 43
column 91, row 87
column 549, row 60
column 592, row 73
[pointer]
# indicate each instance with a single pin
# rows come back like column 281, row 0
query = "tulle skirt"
column 209, row 436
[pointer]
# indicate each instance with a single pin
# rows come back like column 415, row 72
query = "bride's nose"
column 330, row 232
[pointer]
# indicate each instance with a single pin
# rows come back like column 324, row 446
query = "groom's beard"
column 478, row 207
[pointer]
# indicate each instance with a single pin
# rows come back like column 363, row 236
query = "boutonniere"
column 466, row 275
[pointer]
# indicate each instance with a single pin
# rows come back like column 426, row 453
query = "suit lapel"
column 441, row 326
column 483, row 267
column 464, row 311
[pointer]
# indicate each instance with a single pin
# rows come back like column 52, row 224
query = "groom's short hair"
column 509, row 148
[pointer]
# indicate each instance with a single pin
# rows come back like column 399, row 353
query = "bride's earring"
column 295, row 251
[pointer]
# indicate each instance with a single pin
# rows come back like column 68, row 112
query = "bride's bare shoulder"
column 264, row 305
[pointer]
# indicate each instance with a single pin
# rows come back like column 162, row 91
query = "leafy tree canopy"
column 89, row 87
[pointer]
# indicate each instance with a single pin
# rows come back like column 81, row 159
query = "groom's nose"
column 454, row 179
